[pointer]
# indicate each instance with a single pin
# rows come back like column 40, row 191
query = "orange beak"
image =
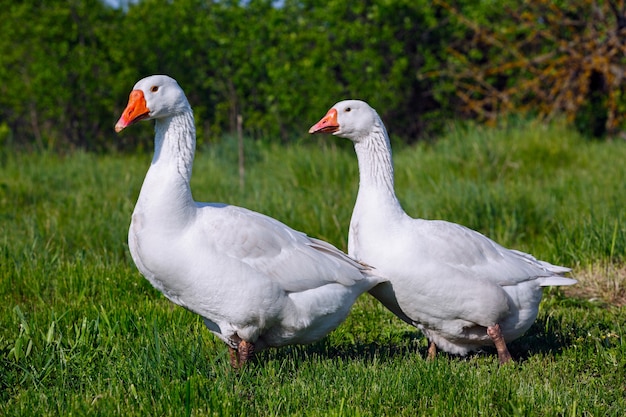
column 135, row 111
column 328, row 124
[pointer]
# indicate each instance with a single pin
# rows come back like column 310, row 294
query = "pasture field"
column 82, row 333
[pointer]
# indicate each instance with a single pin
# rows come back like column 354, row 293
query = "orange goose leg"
column 498, row 340
column 239, row 356
column 432, row 351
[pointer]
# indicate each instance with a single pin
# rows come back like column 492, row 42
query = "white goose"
column 255, row 281
column 460, row 288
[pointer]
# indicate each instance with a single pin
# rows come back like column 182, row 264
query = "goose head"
column 350, row 119
column 153, row 97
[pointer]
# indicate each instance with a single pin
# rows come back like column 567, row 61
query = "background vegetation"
column 66, row 67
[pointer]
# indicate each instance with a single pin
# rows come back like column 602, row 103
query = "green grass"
column 82, row 333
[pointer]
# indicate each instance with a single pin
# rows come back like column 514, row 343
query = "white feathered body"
column 249, row 276
column 255, row 280
column 446, row 279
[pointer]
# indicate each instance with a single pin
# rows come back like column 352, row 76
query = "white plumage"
column 255, row 281
column 460, row 288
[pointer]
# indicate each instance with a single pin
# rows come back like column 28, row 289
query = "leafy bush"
column 543, row 57
column 68, row 66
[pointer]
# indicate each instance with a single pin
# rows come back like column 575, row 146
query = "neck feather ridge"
column 375, row 161
column 175, row 143
column 166, row 194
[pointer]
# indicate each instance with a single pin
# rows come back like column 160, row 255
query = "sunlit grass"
column 83, row 333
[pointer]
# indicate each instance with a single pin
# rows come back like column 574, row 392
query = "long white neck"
column 166, row 194
column 376, row 170
column 376, row 203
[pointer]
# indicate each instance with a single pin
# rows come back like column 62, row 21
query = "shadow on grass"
column 539, row 341
column 535, row 341
column 365, row 352
column 552, row 332
column 563, row 321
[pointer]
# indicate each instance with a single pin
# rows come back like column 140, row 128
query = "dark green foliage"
column 56, row 73
column 67, row 66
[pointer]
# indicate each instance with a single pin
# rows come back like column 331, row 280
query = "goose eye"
column 347, row 109
column 154, row 88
